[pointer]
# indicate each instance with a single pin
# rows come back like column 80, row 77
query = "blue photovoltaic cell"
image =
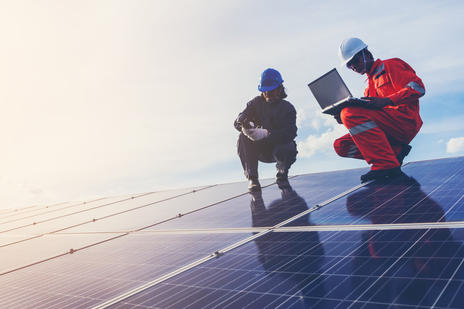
column 350, row 269
column 430, row 191
column 274, row 204
column 91, row 276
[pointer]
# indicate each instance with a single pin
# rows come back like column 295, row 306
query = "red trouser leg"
column 371, row 130
column 345, row 147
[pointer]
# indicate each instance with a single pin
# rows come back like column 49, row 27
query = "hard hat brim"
column 267, row 88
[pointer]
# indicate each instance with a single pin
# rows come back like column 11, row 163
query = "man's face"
column 273, row 95
column 357, row 63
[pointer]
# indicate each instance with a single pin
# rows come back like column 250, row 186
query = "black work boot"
column 253, row 185
column 282, row 179
column 405, row 149
column 380, row 174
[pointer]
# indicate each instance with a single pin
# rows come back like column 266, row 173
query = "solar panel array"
column 326, row 243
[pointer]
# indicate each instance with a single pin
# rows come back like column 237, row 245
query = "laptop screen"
column 329, row 89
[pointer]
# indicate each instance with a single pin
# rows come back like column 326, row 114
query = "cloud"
column 455, row 145
column 320, row 143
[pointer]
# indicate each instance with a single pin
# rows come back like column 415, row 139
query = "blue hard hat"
column 270, row 80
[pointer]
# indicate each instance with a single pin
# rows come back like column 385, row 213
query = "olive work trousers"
column 251, row 152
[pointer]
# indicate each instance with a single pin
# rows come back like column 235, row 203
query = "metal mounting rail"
column 373, row 227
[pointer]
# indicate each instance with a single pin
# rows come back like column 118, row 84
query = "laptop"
column 332, row 94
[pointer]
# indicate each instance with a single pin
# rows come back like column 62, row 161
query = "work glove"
column 378, row 103
column 255, row 134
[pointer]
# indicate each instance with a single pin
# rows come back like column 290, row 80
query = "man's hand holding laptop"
column 377, row 103
column 372, row 102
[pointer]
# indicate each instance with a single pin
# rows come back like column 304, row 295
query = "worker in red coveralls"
column 381, row 133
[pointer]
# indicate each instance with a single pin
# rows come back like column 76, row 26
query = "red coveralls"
column 377, row 136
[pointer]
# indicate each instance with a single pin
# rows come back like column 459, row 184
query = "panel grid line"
column 287, row 229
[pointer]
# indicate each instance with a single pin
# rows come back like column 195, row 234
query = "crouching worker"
column 267, row 131
column 381, row 132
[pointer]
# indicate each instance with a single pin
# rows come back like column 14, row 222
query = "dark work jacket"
column 279, row 118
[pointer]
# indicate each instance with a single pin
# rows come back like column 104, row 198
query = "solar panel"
column 83, row 213
column 430, row 192
column 12, row 214
column 327, row 243
column 323, row 270
column 105, row 270
column 19, row 254
column 235, row 213
column 169, row 209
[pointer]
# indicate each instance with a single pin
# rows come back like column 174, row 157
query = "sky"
column 102, row 98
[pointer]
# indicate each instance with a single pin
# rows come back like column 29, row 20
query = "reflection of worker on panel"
column 267, row 131
column 279, row 210
column 284, row 254
column 427, row 258
column 380, row 133
column 399, row 201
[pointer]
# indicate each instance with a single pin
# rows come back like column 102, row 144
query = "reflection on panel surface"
column 168, row 209
column 307, row 191
column 56, row 219
column 430, row 191
column 375, row 269
column 17, row 214
column 43, row 215
column 41, row 248
column 96, row 274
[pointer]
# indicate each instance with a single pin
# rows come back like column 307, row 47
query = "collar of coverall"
column 374, row 66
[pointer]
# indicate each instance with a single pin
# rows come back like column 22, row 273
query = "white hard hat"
column 349, row 48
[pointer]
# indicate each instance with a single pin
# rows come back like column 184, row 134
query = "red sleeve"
column 404, row 80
